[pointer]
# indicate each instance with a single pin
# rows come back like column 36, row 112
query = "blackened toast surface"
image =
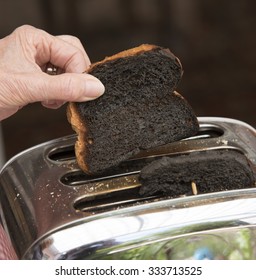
column 196, row 173
column 139, row 109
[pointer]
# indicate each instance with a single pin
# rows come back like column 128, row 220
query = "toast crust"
column 125, row 53
column 80, row 128
column 132, row 52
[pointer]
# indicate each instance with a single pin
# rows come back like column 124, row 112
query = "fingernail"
column 94, row 88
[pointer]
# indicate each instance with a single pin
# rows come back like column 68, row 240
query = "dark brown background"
column 214, row 39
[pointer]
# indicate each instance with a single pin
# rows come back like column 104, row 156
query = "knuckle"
column 24, row 28
column 75, row 40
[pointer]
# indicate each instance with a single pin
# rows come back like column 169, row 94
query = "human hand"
column 24, row 56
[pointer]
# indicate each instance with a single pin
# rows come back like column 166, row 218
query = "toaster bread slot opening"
column 60, row 154
column 67, row 153
column 79, row 178
column 206, row 132
column 111, row 201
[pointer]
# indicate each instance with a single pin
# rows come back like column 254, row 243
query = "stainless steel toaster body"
column 52, row 210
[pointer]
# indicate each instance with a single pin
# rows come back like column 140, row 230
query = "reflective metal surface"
column 52, row 210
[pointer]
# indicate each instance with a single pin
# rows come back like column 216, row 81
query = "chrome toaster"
column 52, row 210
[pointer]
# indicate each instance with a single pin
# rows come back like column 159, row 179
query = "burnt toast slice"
column 140, row 108
column 197, row 173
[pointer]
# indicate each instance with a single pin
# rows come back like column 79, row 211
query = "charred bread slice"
column 139, row 109
column 197, row 173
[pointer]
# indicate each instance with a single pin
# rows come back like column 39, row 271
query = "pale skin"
column 24, row 56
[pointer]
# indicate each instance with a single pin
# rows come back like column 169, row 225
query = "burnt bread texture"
column 196, row 173
column 140, row 108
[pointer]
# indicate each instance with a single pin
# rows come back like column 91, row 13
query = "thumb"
column 17, row 90
column 65, row 87
column 69, row 87
column 30, row 88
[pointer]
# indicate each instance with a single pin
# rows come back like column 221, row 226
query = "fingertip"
column 71, row 87
column 93, row 87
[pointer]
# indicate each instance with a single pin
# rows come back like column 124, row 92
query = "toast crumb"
column 194, row 188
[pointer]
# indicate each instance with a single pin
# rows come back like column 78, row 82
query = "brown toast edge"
column 81, row 130
column 125, row 53
column 132, row 52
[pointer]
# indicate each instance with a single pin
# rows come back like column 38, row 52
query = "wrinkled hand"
column 24, row 56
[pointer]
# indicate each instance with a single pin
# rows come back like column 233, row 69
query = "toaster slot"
column 111, row 201
column 206, row 132
column 79, row 178
column 60, row 154
column 67, row 153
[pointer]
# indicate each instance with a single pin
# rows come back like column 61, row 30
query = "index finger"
column 61, row 53
column 76, row 43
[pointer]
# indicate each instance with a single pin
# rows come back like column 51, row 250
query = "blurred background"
column 215, row 41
